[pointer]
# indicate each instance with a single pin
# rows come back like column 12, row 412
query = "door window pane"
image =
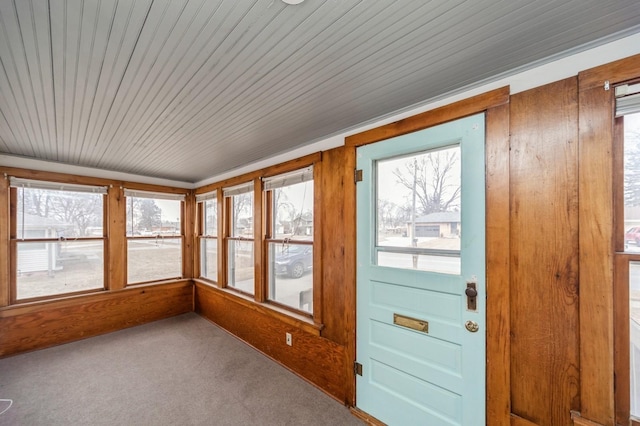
column 418, row 220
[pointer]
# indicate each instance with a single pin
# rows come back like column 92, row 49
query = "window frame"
column 202, row 236
column 14, row 240
column 159, row 194
column 258, row 300
column 269, row 219
column 229, row 219
column 622, row 260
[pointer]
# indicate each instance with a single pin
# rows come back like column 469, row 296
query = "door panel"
column 420, row 364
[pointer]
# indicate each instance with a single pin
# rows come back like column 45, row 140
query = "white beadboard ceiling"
column 188, row 89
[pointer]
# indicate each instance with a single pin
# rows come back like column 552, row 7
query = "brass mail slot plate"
column 412, row 323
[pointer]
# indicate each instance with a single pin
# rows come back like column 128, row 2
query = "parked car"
column 294, row 261
column 633, row 235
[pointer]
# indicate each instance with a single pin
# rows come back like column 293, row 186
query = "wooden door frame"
column 496, row 105
column 599, row 355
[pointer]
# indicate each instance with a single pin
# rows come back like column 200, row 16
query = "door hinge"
column 357, row 368
column 357, row 176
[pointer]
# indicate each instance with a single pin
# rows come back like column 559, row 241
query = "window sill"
column 299, row 321
column 74, row 299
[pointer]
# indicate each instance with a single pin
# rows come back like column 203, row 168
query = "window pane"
column 209, row 258
column 45, row 269
column 632, row 182
column 154, row 259
column 418, row 219
column 44, row 213
column 242, row 215
column 291, row 275
column 293, row 212
column 441, row 264
column 241, row 267
column 634, row 334
column 149, row 216
column 210, row 218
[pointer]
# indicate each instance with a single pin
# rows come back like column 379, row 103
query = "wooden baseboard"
column 368, row 419
column 578, row 420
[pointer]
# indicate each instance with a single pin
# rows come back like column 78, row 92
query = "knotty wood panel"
column 25, row 328
column 350, row 271
column 596, row 257
column 335, row 280
column 497, row 224
column 544, row 253
column 315, row 358
column 116, row 259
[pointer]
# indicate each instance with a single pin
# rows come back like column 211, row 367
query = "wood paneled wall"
column 43, row 324
column 315, row 358
column 320, row 356
column 544, row 254
column 549, row 350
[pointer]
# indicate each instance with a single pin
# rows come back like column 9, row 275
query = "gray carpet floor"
column 179, row 371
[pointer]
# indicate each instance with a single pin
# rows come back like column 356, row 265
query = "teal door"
column 421, row 276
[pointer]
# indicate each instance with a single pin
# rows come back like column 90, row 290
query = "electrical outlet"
column 288, row 337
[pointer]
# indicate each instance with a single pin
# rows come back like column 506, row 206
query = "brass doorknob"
column 472, row 326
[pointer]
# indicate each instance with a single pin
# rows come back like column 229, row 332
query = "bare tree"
column 437, row 189
column 71, row 209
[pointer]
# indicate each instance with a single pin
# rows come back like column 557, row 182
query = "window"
column 58, row 239
column 240, row 240
column 154, row 236
column 290, row 239
column 208, row 233
column 418, row 211
column 628, row 261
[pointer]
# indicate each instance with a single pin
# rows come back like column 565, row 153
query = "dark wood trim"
column 614, row 72
column 578, row 420
column 621, row 339
column 596, row 260
column 5, row 224
column 350, row 262
column 56, row 177
column 259, row 254
column 188, row 225
column 433, row 117
column 318, row 252
column 498, row 266
column 497, row 208
column 287, row 166
column 366, row 417
column 519, row 421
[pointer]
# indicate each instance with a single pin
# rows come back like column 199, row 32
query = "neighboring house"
column 442, row 224
column 40, row 256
